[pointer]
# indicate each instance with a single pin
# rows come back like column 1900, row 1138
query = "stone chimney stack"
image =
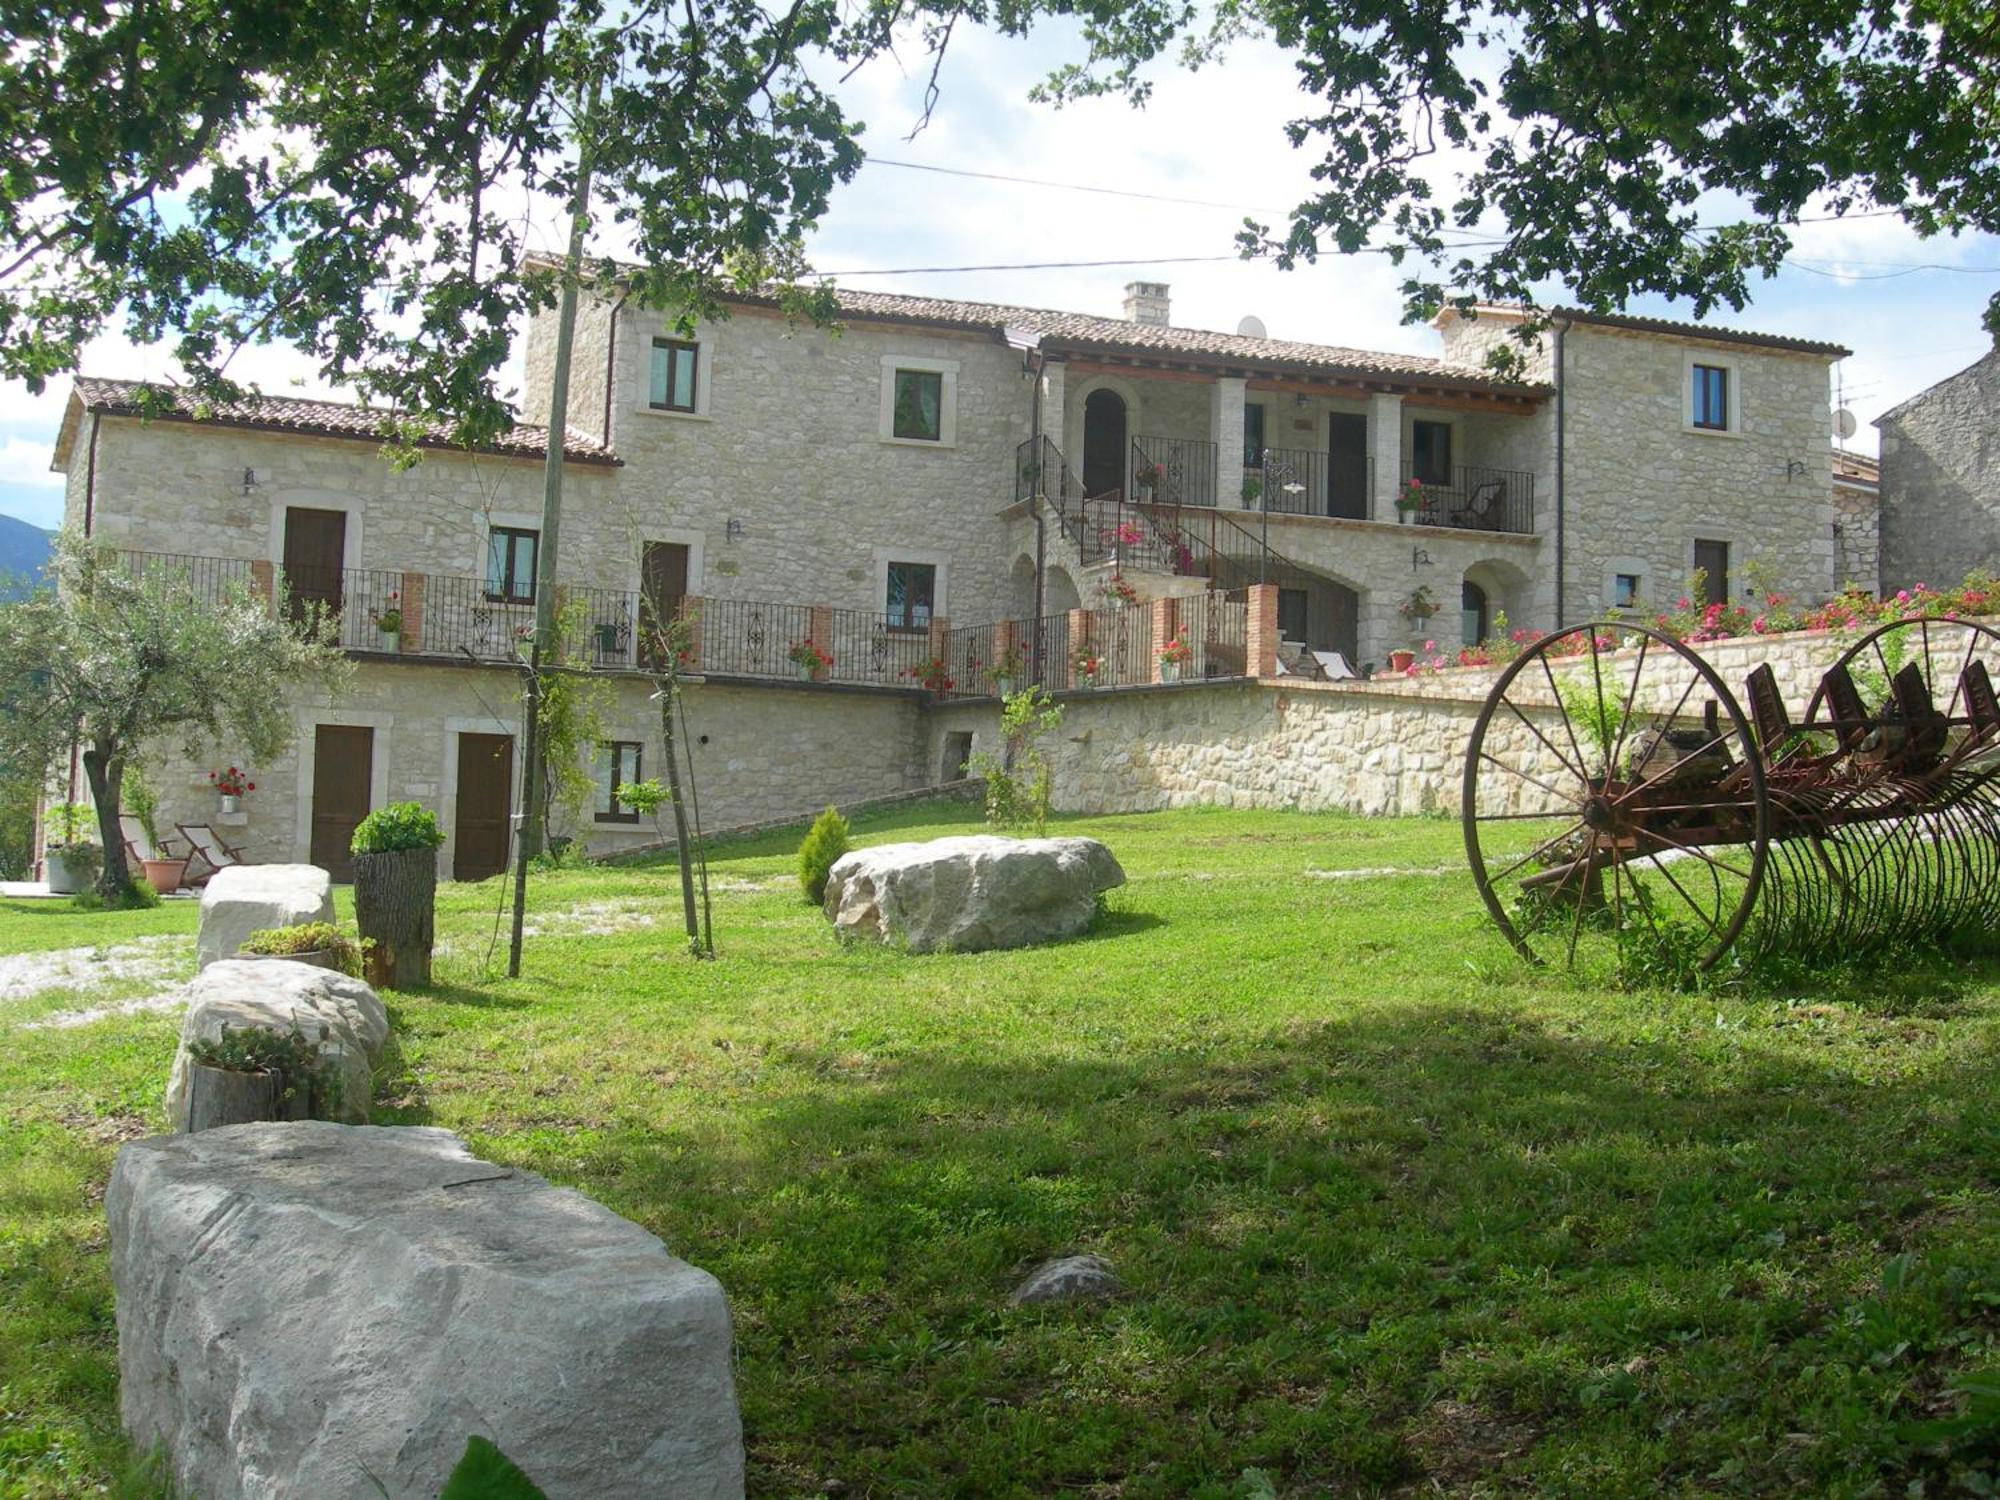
column 1147, row 302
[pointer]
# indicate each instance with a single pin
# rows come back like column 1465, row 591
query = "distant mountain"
column 23, row 550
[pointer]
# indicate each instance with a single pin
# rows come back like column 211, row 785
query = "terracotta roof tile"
column 322, row 418
column 1679, row 329
column 1856, row 466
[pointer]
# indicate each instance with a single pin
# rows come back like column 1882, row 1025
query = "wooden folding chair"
column 204, row 842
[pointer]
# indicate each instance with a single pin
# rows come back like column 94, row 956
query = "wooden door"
column 1103, row 443
column 1347, row 466
column 315, row 550
column 1713, row 560
column 343, row 774
column 480, row 833
column 663, row 584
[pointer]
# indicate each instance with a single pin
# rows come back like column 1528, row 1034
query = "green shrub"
column 137, row 894
column 400, row 825
column 68, row 823
column 137, row 797
column 307, row 937
column 1017, row 779
column 825, row 842
column 297, row 1060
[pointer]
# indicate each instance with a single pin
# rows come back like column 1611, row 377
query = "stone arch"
column 1059, row 591
column 1501, row 587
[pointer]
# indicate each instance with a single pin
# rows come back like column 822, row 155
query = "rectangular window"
column 673, row 383
column 1430, row 452
column 919, row 405
column 617, row 765
column 1711, row 560
column 1294, row 610
column 1625, row 590
column 1253, row 435
column 912, row 595
column 1711, row 398
column 510, row 565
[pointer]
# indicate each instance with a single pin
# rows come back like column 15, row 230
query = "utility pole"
column 527, row 835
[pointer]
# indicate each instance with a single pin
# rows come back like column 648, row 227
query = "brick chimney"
column 1147, row 302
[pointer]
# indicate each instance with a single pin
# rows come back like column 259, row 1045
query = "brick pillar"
column 690, row 611
column 1163, row 622
column 1080, row 621
column 940, row 641
column 1260, row 647
column 819, row 628
column 263, row 582
column 413, row 612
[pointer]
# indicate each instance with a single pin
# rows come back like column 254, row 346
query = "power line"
column 1067, row 187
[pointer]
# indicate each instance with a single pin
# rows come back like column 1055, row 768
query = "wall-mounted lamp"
column 1299, row 398
column 1419, row 558
column 249, row 480
column 1795, row 468
column 732, row 530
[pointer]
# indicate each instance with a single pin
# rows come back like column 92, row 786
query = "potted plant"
column 389, row 621
column 1174, row 656
column 321, row 944
column 812, row 660
column 1006, row 670
column 163, row 872
column 1118, row 591
column 1148, row 477
column 1401, row 660
column 249, row 1074
column 608, row 633
column 395, row 893
column 1086, row 666
column 1419, row 605
column 1253, row 491
column 1409, row 501
column 233, row 786
column 70, row 860
column 934, row 675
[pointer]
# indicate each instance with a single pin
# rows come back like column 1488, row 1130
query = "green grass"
column 1397, row 1214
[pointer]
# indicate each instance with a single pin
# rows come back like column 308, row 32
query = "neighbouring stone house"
column 943, row 490
column 1941, row 479
column 1857, row 521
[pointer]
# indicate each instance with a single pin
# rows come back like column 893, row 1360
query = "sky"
column 1214, row 136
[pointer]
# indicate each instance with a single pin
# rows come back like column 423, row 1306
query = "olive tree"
column 116, row 656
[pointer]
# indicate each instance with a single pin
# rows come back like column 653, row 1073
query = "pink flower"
column 1430, row 645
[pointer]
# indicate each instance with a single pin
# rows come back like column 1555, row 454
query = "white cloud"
column 24, row 464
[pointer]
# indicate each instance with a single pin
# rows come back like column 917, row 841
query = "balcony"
column 1469, row 498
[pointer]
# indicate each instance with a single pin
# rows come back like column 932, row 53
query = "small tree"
column 117, row 656
column 825, row 842
column 1017, row 779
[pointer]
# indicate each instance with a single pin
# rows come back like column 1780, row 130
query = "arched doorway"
column 1474, row 617
column 1103, row 442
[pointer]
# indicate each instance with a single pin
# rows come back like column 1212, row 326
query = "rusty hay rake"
column 1615, row 789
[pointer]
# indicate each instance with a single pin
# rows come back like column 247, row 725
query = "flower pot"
column 1401, row 661
column 1003, row 687
column 229, row 803
column 805, row 673
column 1404, row 516
column 66, row 876
column 388, row 640
column 164, row 875
column 1170, row 671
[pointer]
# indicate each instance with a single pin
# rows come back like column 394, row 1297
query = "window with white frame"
column 510, row 564
column 919, row 401
column 912, row 598
column 674, row 381
column 618, row 764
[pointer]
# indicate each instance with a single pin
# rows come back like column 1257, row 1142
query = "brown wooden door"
column 1713, row 560
column 485, row 806
column 315, row 548
column 343, row 773
column 1347, row 466
column 663, row 584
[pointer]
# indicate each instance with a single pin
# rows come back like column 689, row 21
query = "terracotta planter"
column 164, row 875
column 1401, row 661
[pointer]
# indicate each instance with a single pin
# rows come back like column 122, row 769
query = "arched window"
column 1472, row 613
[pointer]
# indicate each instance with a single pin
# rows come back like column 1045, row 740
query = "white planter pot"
column 229, row 803
column 1003, row 687
column 1170, row 671
column 805, row 673
column 388, row 640
column 65, row 878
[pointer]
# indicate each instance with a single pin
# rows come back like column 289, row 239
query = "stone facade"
column 1941, row 480
column 1857, row 521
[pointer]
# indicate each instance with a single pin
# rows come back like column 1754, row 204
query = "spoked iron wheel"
column 1614, row 793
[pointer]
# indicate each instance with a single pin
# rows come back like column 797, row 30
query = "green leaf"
column 485, row 1473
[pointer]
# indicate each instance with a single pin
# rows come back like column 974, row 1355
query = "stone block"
column 246, row 898
column 329, row 1311
column 343, row 1014
column 968, row 894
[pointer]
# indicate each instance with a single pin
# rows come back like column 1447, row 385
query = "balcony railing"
column 1306, row 482
column 1173, row 471
column 1473, row 499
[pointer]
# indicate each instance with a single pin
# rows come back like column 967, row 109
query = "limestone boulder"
column 966, row 894
column 330, row 1311
column 247, row 898
column 344, row 1016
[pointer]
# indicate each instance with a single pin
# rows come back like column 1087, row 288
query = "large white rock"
column 277, row 994
column 965, row 894
column 308, row 1310
column 246, row 898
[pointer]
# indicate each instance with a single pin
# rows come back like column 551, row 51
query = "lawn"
column 1397, row 1214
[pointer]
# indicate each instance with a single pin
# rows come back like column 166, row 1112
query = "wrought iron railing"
column 209, row 579
column 461, row 617
column 1471, row 498
column 1173, row 471
column 873, row 648
column 749, row 638
column 1305, row 482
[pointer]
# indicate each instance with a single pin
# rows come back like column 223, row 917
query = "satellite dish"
column 1843, row 424
column 1252, row 327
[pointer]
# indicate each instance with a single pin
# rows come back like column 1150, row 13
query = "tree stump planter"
column 395, row 897
column 222, row 1096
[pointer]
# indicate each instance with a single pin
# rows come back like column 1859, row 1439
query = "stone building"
column 1857, row 521
column 943, row 490
column 1941, row 479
